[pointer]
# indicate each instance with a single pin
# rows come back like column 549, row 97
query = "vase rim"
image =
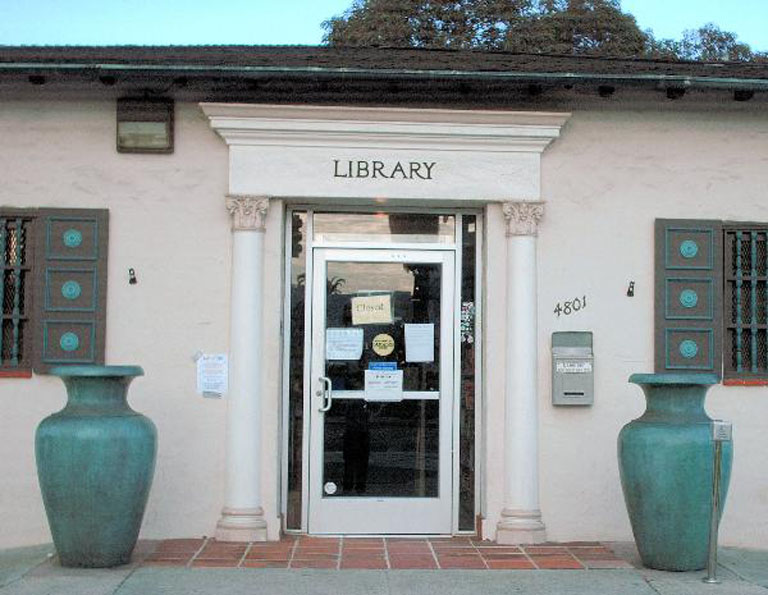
column 670, row 379
column 96, row 371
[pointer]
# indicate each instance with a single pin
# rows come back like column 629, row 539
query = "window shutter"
column 70, row 287
column 688, row 296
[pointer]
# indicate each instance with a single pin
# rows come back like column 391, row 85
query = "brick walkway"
column 378, row 553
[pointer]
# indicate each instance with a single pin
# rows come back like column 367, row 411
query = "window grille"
column 16, row 246
column 746, row 302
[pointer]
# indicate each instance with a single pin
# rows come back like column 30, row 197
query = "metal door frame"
column 479, row 425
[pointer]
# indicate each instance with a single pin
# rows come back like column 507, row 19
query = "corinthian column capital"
column 523, row 217
column 248, row 213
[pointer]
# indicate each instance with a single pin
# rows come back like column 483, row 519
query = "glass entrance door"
column 382, row 391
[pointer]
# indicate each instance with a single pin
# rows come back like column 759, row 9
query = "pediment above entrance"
column 379, row 153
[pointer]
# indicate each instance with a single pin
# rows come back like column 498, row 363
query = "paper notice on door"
column 419, row 342
column 212, row 374
column 383, row 385
column 372, row 309
column 343, row 343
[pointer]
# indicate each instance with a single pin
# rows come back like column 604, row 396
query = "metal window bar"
column 747, row 310
column 17, row 292
column 753, row 327
column 739, row 283
column 3, row 240
column 14, row 250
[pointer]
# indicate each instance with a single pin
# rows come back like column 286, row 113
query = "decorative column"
column 521, row 518
column 242, row 518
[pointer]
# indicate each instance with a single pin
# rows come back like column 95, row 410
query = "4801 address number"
column 571, row 306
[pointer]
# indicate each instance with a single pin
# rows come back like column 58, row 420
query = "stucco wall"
column 605, row 180
column 168, row 222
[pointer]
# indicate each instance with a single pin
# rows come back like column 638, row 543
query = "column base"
column 241, row 524
column 520, row 527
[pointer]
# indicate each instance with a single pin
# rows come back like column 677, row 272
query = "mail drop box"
column 573, row 367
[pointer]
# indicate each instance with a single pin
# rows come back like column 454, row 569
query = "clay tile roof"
column 416, row 62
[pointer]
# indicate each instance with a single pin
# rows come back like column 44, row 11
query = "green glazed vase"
column 666, row 466
column 95, row 462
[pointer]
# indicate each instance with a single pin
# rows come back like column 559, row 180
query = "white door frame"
column 376, row 515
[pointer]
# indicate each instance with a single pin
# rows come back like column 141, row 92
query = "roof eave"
column 204, row 71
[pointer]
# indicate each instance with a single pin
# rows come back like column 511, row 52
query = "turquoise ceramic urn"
column 666, row 464
column 95, row 462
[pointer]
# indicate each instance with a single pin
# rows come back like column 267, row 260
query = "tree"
column 579, row 27
column 664, row 49
column 450, row 24
column 584, row 27
column 596, row 27
column 710, row 44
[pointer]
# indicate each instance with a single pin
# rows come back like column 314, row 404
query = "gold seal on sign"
column 383, row 344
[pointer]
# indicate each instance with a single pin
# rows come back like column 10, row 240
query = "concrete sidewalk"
column 34, row 571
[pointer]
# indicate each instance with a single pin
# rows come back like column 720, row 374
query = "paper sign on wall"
column 419, row 342
column 343, row 343
column 372, row 309
column 212, row 374
column 383, row 385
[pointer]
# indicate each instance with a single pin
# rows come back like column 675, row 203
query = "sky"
column 279, row 22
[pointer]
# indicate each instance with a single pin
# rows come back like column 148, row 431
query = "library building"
column 383, row 293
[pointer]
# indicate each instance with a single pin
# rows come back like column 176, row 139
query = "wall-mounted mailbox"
column 573, row 368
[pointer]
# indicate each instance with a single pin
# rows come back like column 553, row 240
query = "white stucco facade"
column 607, row 174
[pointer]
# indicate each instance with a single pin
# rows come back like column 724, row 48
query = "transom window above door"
column 384, row 228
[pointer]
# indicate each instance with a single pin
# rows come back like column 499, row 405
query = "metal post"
column 721, row 431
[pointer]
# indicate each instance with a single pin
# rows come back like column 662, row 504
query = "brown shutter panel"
column 688, row 304
column 70, row 287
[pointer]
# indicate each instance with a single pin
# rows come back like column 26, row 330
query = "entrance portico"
column 282, row 155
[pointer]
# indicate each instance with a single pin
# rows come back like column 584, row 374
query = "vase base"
column 242, row 525
column 86, row 561
column 672, row 563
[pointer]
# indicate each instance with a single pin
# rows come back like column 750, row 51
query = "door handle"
column 327, row 393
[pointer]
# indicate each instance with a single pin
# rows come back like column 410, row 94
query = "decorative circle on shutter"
column 69, row 342
column 689, row 249
column 71, row 290
column 689, row 298
column 688, row 349
column 72, row 238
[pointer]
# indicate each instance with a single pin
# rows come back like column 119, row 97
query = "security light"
column 145, row 125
